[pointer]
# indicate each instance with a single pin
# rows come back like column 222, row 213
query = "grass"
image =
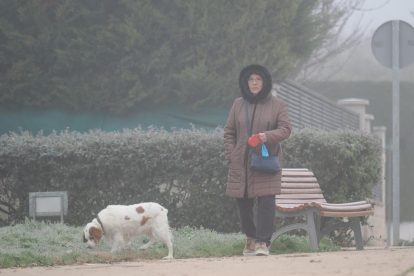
column 46, row 244
column 406, row 243
column 407, row 272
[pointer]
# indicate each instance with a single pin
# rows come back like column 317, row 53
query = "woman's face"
column 255, row 83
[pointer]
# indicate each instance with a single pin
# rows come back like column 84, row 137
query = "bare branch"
column 337, row 14
column 372, row 9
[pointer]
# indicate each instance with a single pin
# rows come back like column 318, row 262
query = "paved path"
column 372, row 261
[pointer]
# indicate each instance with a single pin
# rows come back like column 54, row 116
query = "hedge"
column 183, row 170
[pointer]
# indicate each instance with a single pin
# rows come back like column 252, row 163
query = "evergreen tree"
column 117, row 55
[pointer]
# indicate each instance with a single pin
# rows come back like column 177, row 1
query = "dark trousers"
column 263, row 230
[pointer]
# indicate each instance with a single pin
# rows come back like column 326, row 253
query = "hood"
column 244, row 87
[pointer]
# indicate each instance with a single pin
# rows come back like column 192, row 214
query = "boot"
column 261, row 249
column 249, row 249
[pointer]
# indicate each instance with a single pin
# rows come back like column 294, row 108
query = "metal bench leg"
column 308, row 226
column 311, row 229
column 318, row 225
column 287, row 229
column 356, row 227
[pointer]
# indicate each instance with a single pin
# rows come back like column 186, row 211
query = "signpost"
column 393, row 47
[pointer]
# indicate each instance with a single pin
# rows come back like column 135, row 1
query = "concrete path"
column 371, row 261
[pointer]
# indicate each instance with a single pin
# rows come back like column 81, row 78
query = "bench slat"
column 300, row 185
column 291, row 207
column 346, row 214
column 301, row 191
column 299, row 179
column 346, row 204
column 297, row 173
column 363, row 207
column 302, row 201
column 300, row 196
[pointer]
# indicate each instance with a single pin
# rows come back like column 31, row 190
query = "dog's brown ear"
column 96, row 234
column 84, row 239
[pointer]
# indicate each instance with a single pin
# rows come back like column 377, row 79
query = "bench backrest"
column 299, row 187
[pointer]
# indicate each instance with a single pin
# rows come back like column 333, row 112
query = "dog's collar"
column 100, row 222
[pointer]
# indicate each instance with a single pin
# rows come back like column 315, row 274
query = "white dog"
column 121, row 223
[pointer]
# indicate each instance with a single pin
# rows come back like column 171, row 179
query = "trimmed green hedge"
column 346, row 163
column 183, row 170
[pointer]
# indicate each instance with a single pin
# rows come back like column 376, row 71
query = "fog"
column 359, row 62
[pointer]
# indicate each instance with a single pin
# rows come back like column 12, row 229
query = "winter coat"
column 271, row 118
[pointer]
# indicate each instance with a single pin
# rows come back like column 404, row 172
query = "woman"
column 269, row 118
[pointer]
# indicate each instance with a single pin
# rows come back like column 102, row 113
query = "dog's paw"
column 168, row 258
column 142, row 248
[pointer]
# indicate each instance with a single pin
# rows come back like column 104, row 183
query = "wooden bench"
column 302, row 196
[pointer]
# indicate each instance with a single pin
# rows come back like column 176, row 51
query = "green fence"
column 49, row 120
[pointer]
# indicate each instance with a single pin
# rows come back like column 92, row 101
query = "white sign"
column 48, row 204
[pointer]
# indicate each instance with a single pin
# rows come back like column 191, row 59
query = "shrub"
column 346, row 163
column 183, row 170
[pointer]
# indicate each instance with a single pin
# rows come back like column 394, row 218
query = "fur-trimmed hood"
column 244, row 87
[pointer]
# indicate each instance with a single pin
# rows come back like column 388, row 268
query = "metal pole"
column 61, row 208
column 388, row 196
column 34, row 208
column 396, row 130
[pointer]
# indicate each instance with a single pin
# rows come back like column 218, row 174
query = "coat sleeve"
column 230, row 133
column 284, row 127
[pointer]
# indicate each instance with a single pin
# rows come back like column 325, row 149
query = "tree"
column 117, row 55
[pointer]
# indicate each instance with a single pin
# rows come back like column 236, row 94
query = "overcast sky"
column 393, row 10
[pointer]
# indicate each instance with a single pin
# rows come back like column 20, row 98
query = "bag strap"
column 249, row 130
